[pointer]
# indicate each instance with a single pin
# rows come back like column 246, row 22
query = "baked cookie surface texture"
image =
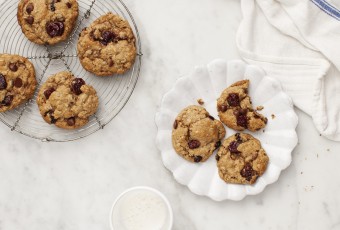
column 47, row 21
column 17, row 81
column 196, row 134
column 66, row 101
column 107, row 46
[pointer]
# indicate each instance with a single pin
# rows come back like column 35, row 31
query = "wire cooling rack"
column 113, row 92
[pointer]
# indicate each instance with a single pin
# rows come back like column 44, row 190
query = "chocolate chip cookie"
column 196, row 134
column 66, row 101
column 107, row 46
column 17, row 81
column 235, row 108
column 241, row 159
column 47, row 21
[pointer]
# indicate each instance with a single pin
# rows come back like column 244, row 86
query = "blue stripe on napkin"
column 328, row 8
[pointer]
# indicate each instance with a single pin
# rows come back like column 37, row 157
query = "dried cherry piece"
column 17, row 82
column 13, row 67
column 222, row 108
column 48, row 92
column 7, row 101
column 107, row 37
column 194, row 144
column 29, row 8
column 233, row 147
column 71, row 121
column 54, row 29
column 3, row 82
column 197, row 159
column 233, row 99
column 29, row 20
column 242, row 120
column 76, row 84
column 247, row 172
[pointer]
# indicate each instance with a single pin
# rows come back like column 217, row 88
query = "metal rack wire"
column 113, row 92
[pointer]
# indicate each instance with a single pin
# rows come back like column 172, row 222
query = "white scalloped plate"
column 207, row 82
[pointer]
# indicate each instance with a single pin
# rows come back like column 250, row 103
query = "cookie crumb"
column 263, row 130
column 259, row 108
column 200, row 101
column 301, row 173
column 273, row 116
column 328, row 150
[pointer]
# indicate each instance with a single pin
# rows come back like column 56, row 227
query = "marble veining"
column 45, row 186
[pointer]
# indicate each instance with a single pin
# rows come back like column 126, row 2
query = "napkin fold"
column 296, row 42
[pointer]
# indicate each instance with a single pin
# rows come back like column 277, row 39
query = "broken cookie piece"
column 235, row 108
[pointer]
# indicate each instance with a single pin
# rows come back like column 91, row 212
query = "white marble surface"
column 65, row 186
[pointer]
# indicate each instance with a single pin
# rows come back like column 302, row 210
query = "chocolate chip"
column 218, row 144
column 76, row 84
column 48, row 92
column 13, row 67
column 3, row 83
column 247, row 172
column 233, row 99
column 29, row 8
column 110, row 63
column 29, row 20
column 107, row 37
column 197, row 159
column 233, row 147
column 217, row 157
column 242, row 120
column 245, row 91
column 7, row 101
column 175, row 125
column 222, row 108
column 194, row 144
column 211, row 118
column 17, row 82
column 69, row 5
column 71, row 121
column 55, row 29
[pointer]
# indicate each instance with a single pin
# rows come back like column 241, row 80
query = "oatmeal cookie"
column 241, row 159
column 17, row 81
column 66, row 101
column 47, row 21
column 107, row 46
column 235, row 109
column 196, row 134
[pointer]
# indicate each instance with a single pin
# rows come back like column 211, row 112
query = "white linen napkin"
column 296, row 42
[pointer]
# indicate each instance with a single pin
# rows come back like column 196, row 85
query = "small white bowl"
column 119, row 212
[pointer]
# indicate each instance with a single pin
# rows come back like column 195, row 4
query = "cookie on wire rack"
column 66, row 101
column 47, row 21
column 107, row 46
column 17, row 81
